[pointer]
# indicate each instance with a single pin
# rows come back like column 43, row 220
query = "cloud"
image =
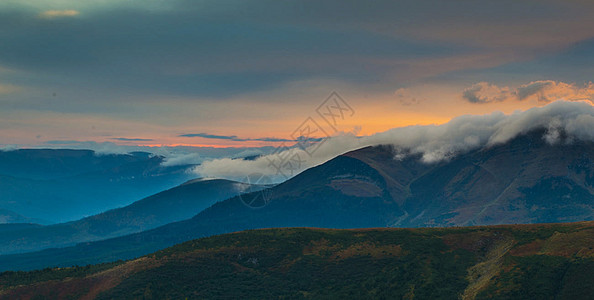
column 179, row 50
column 100, row 148
column 210, row 136
column 63, row 142
column 132, row 139
column 548, row 90
column 183, row 159
column 249, row 153
column 434, row 142
column 179, row 155
column 484, row 92
column 188, row 56
column 541, row 91
column 8, row 147
column 53, row 14
column 235, row 138
column 533, row 88
column 406, row 97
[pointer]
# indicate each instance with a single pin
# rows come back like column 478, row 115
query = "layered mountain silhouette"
column 10, row 217
column 62, row 185
column 172, row 205
column 45, row 164
column 525, row 180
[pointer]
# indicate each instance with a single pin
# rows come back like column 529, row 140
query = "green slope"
column 546, row 261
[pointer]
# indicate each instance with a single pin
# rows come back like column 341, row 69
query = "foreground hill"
column 173, row 205
column 525, row 180
column 546, row 261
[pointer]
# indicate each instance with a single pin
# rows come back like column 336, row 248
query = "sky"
column 253, row 75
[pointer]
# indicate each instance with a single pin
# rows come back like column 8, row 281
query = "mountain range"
column 526, row 180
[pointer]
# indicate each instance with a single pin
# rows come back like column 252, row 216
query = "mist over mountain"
column 433, row 143
column 525, row 180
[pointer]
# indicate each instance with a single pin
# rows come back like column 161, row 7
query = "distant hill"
column 173, row 205
column 43, row 164
column 7, row 216
column 61, row 185
column 546, row 261
column 524, row 180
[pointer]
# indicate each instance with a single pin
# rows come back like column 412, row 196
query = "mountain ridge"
column 525, row 180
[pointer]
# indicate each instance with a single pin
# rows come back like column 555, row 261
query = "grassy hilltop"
column 545, row 261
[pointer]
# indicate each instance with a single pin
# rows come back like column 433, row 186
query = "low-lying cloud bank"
column 433, row 142
column 173, row 155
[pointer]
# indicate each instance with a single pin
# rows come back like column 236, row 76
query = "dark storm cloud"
column 573, row 64
column 206, row 51
column 214, row 49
